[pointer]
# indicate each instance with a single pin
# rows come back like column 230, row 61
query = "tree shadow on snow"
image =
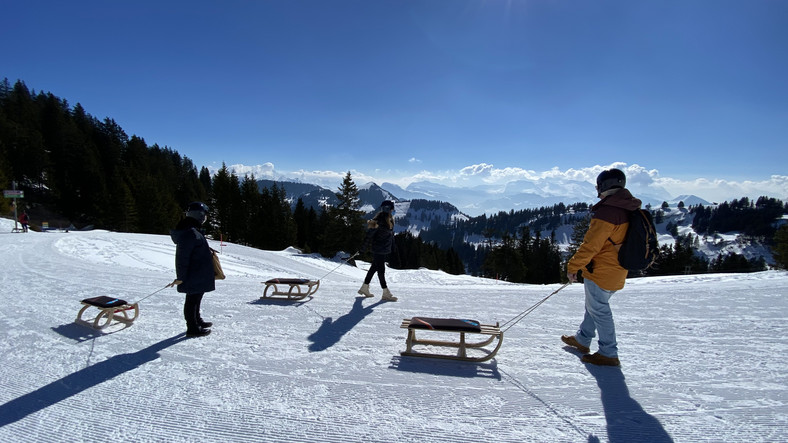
column 450, row 368
column 330, row 331
column 80, row 381
column 626, row 419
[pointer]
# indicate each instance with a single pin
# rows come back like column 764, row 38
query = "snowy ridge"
column 698, row 354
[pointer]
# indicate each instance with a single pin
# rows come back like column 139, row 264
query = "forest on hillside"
column 81, row 172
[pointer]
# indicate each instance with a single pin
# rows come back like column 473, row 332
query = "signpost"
column 14, row 194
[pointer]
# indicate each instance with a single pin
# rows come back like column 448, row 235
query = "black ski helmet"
column 609, row 179
column 387, row 206
column 197, row 211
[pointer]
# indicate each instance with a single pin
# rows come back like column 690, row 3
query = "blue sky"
column 402, row 90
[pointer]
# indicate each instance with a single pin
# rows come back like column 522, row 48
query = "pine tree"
column 781, row 247
column 505, row 263
column 301, row 219
column 345, row 227
column 254, row 221
column 221, row 203
column 578, row 234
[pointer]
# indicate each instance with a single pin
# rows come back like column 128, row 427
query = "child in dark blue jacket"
column 193, row 267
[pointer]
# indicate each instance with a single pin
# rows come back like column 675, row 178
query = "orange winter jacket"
column 597, row 256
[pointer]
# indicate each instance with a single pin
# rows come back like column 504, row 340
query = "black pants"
column 191, row 310
column 379, row 266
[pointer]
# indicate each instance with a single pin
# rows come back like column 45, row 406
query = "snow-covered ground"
column 702, row 356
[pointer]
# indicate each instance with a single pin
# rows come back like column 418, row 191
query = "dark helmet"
column 387, row 206
column 609, row 179
column 197, row 211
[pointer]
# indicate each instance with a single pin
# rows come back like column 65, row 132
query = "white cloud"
column 718, row 190
column 480, row 170
column 264, row 171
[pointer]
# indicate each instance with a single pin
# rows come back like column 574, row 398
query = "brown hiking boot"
column 572, row 341
column 599, row 359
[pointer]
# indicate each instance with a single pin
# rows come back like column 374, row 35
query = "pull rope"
column 344, row 260
column 154, row 293
column 522, row 315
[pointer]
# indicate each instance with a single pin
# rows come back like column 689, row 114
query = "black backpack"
column 640, row 246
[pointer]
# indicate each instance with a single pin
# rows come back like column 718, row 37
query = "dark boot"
column 572, row 341
column 599, row 359
column 197, row 331
column 191, row 313
column 202, row 323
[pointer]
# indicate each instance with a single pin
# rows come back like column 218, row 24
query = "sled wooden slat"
column 455, row 326
column 109, row 309
column 292, row 288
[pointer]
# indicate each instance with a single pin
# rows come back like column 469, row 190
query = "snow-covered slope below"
column 699, row 360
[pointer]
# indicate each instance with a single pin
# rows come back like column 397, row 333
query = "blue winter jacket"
column 193, row 260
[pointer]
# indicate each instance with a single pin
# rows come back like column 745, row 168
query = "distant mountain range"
column 472, row 201
column 412, row 214
column 423, row 207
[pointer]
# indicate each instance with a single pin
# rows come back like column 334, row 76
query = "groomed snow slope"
column 702, row 356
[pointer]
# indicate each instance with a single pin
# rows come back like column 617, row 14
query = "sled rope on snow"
column 110, row 309
column 459, row 326
column 522, row 315
column 297, row 288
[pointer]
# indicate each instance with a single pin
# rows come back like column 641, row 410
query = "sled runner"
column 297, row 288
column 109, row 310
column 459, row 326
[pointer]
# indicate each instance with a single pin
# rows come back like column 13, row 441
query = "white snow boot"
column 387, row 295
column 365, row 291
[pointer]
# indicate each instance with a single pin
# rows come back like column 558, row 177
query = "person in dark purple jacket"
column 380, row 239
column 193, row 267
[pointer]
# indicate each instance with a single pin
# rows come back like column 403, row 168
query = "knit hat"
column 197, row 211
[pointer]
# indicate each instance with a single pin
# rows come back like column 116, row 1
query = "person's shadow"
column 79, row 381
column 330, row 332
column 626, row 420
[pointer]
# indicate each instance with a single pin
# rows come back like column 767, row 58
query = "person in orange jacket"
column 597, row 259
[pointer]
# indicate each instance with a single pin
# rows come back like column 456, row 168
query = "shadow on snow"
column 330, row 332
column 80, row 381
column 626, row 419
column 451, row 368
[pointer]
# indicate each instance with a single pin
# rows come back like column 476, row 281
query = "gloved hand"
column 174, row 283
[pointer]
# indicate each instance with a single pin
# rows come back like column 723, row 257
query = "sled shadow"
column 330, row 331
column 280, row 301
column 79, row 381
column 626, row 419
column 80, row 333
column 449, row 368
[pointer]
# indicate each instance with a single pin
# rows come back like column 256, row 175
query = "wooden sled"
column 297, row 288
column 460, row 326
column 109, row 310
